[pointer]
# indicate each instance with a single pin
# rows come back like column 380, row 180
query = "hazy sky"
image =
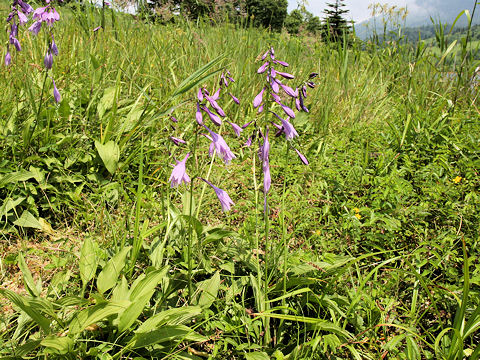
column 359, row 8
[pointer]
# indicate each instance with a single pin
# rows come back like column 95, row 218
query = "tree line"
column 272, row 14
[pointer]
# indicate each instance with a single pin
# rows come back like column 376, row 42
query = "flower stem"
column 284, row 227
column 39, row 108
column 190, row 228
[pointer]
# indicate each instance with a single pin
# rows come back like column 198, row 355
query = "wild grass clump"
column 347, row 176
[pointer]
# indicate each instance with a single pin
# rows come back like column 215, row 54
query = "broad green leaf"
column 95, row 62
column 96, row 313
column 27, row 276
column 64, row 108
column 192, row 221
column 394, row 343
column 106, row 102
column 57, row 345
column 131, row 120
column 121, row 291
column 412, row 351
column 109, row 275
column 109, row 153
column 131, row 314
column 147, row 284
column 88, row 261
column 27, row 220
column 174, row 316
column 218, row 234
column 257, row 356
column 165, row 334
column 24, row 304
column 26, row 348
column 10, row 204
column 22, row 175
column 209, row 291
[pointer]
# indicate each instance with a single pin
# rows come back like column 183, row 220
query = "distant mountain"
column 419, row 15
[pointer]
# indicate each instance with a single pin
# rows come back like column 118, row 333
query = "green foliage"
column 293, row 21
column 301, row 18
column 267, row 13
column 372, row 254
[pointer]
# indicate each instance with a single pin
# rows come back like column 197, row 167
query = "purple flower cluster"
column 207, row 104
column 274, row 83
column 17, row 16
column 204, row 100
column 48, row 15
column 272, row 87
column 302, row 93
column 275, row 91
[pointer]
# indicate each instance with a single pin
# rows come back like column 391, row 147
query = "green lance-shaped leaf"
column 316, row 324
column 109, row 153
column 24, row 304
column 14, row 177
column 107, row 101
column 133, row 311
column 57, row 345
column 140, row 296
column 88, row 261
column 96, row 313
column 148, row 283
column 166, row 334
column 209, row 291
column 109, row 275
column 257, row 356
column 175, row 316
column 27, row 276
column 197, row 77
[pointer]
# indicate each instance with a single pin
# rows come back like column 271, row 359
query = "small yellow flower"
column 457, row 179
column 317, row 232
column 358, row 216
column 357, row 210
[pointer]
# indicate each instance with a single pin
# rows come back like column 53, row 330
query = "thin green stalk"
column 284, row 227
column 190, row 229
column 207, row 178
column 39, row 108
column 257, row 241
column 205, row 184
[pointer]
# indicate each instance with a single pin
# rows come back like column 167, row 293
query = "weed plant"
column 370, row 251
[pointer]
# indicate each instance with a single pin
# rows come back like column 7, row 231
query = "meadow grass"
column 372, row 249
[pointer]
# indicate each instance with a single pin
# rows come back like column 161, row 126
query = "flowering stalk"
column 272, row 100
column 190, row 231
column 207, row 107
column 218, row 146
column 47, row 15
column 17, row 16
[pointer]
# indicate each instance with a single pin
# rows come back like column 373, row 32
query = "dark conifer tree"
column 335, row 25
